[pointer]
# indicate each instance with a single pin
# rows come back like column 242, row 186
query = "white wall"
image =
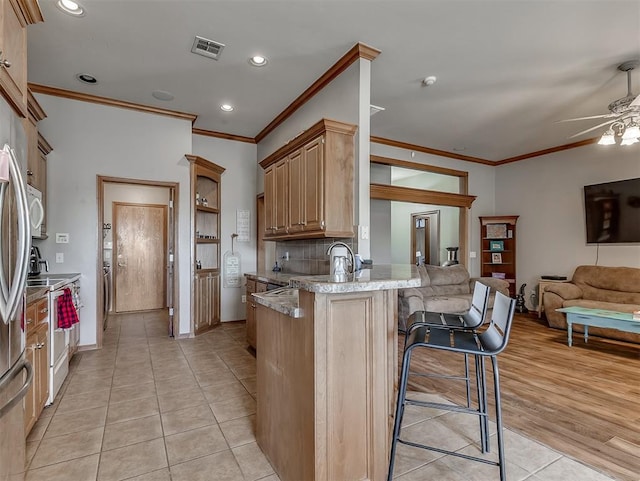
column 90, row 140
column 481, row 184
column 547, row 193
column 238, row 193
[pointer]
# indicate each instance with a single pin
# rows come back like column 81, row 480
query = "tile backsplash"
column 308, row 256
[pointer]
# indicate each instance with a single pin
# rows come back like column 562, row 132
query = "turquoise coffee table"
column 622, row 321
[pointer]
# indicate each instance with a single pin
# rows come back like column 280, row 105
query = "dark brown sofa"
column 596, row 287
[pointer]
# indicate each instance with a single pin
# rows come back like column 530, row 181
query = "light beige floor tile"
column 179, row 383
column 175, row 400
column 172, row 370
column 132, row 432
column 434, row 433
column 186, row 419
column 239, row 431
column 66, row 447
column 105, row 372
column 133, row 378
column 527, row 453
column 83, row 469
column 215, row 377
column 160, row 475
column 78, row 402
column 564, row 469
column 224, row 392
column 76, row 421
column 273, row 477
column 39, row 428
column 250, row 384
column 133, row 460
column 31, row 448
column 409, row 459
column 193, row 444
column 253, row 464
column 475, row 471
column 86, row 385
column 435, row 470
column 127, row 410
column 135, row 391
column 235, row 408
column 220, row 466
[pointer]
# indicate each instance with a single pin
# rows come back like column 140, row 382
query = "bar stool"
column 488, row 343
column 472, row 319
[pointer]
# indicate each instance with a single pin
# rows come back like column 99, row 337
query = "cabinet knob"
column 44, row 310
column 29, row 321
column 29, row 172
column 4, row 63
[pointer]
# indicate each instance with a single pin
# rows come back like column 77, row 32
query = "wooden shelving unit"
column 205, row 221
column 498, row 237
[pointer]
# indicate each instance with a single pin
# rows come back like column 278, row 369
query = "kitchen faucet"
column 352, row 257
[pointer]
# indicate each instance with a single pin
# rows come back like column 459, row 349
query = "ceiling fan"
column 624, row 115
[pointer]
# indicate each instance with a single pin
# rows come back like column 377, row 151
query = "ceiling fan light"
column 608, row 138
column 631, row 132
column 630, row 141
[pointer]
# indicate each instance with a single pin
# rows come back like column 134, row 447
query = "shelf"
column 206, row 208
column 204, row 240
column 207, row 271
column 498, row 263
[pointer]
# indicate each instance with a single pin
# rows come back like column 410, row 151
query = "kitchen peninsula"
column 326, row 374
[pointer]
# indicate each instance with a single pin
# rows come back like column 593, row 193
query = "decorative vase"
column 452, row 256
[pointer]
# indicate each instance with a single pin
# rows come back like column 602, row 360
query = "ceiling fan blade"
column 636, row 102
column 593, row 128
column 603, row 116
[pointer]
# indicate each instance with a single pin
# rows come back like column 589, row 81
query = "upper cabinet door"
column 313, row 185
column 281, row 197
column 13, row 59
column 296, row 191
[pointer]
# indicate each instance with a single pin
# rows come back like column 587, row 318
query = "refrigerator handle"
column 17, row 397
column 11, row 297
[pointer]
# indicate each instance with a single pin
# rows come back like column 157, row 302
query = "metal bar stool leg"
column 402, row 393
column 484, row 434
column 496, row 385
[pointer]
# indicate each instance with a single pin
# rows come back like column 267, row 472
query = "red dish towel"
column 67, row 315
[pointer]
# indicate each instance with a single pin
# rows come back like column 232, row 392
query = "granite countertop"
column 378, row 278
column 52, row 281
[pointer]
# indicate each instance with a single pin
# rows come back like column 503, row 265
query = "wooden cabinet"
column 37, row 150
column 252, row 286
column 205, row 220
column 14, row 18
column 207, row 301
column 498, row 237
column 309, row 184
column 37, row 352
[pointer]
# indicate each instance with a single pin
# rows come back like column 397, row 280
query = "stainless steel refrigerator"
column 15, row 371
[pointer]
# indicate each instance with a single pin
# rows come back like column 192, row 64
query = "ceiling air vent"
column 207, row 48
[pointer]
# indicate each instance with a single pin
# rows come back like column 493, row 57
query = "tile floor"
column 149, row 408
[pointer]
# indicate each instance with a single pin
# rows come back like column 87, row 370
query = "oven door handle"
column 17, row 369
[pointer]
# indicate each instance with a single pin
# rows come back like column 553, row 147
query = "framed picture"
column 496, row 258
column 496, row 245
column 497, row 231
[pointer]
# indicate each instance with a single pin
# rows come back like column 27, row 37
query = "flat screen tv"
column 613, row 212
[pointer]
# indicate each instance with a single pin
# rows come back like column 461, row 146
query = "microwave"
column 36, row 210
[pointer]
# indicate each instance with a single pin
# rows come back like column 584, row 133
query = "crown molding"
column 358, row 51
column 550, row 150
column 73, row 95
column 222, row 135
column 428, row 150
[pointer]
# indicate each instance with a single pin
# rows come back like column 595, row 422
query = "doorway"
column 137, row 221
column 425, row 238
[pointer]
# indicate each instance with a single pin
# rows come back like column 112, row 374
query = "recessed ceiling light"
column 226, row 107
column 162, row 95
column 70, row 7
column 258, row 61
column 87, row 79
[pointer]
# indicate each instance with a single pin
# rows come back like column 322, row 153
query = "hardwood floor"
column 583, row 401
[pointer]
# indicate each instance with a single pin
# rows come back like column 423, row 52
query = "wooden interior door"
column 140, row 259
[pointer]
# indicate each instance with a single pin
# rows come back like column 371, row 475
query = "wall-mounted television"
column 612, row 212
